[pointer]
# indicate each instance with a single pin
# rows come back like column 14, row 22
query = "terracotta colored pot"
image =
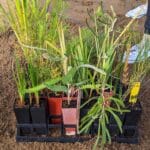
column 71, row 114
column 54, row 105
column 70, row 118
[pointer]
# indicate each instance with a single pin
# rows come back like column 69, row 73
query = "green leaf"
column 108, row 135
column 118, row 101
column 35, row 89
column 120, row 110
column 81, row 83
column 69, row 76
column 89, row 100
column 92, row 67
column 117, row 119
column 57, row 88
column 103, row 125
column 53, row 81
column 91, row 86
column 42, row 86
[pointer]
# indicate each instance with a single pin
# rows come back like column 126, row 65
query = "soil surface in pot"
column 76, row 14
column 69, row 104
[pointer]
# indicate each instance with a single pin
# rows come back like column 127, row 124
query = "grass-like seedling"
column 106, row 45
column 20, row 78
column 35, row 26
column 31, row 21
column 92, row 62
column 142, row 64
column 33, row 75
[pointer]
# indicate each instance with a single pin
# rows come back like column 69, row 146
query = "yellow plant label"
column 134, row 92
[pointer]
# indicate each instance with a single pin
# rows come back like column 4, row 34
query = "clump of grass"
column 20, row 78
column 35, row 27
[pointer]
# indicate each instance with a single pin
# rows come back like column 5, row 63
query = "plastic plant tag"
column 138, row 12
column 134, row 92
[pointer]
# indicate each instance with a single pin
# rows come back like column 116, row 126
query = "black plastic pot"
column 132, row 117
column 93, row 130
column 23, row 117
column 130, row 128
column 113, row 127
column 39, row 117
column 83, row 113
column 130, row 135
column 94, row 127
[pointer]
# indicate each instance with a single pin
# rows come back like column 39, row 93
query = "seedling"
column 20, row 78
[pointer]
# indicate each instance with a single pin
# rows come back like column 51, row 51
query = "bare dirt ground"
column 76, row 13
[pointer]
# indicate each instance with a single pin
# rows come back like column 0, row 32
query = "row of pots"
column 130, row 125
column 59, row 107
column 53, row 106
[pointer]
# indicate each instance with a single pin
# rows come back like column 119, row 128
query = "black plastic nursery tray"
column 62, row 139
column 35, row 137
column 130, row 132
column 47, row 138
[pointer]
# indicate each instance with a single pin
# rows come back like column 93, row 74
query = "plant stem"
column 37, row 99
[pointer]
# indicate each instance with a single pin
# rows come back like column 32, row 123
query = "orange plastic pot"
column 54, row 105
